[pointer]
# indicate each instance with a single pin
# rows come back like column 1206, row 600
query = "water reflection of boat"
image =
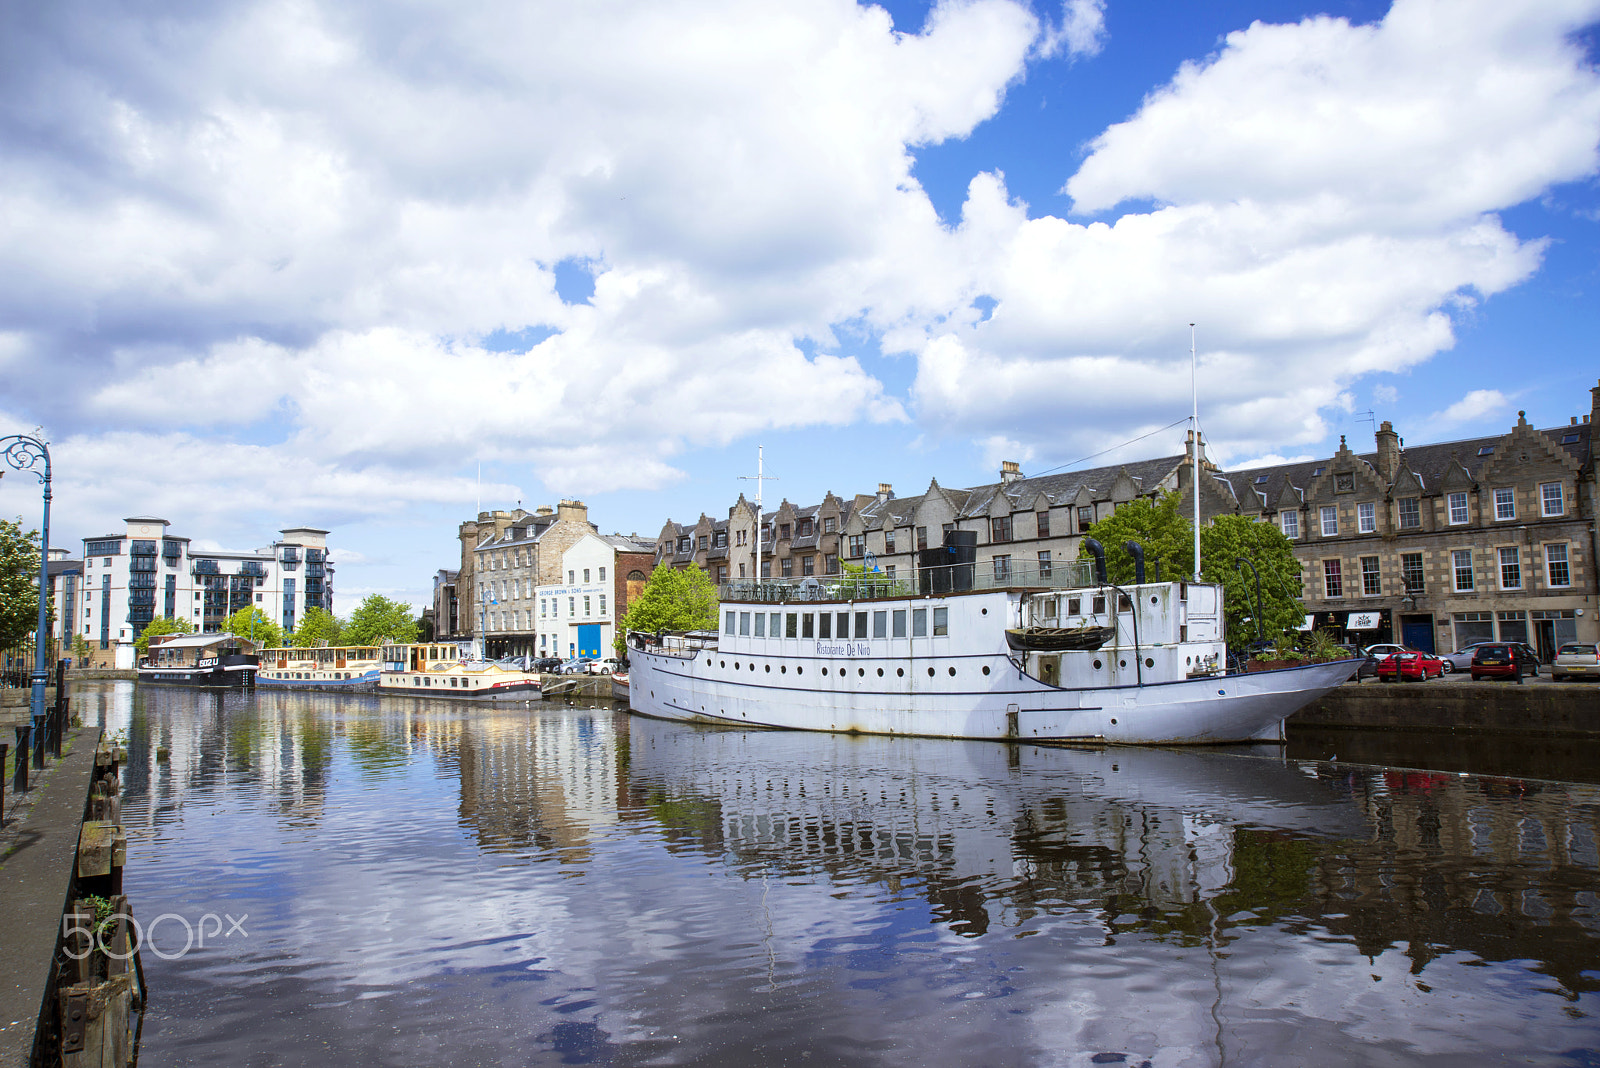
column 1159, row 824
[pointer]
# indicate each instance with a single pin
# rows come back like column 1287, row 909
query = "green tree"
column 157, row 626
column 252, row 623
column 319, row 625
column 861, row 582
column 1167, row 535
column 378, row 619
column 673, row 599
column 80, row 650
column 19, row 582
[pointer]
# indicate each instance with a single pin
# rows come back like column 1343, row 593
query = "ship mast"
column 758, row 478
column 1194, row 395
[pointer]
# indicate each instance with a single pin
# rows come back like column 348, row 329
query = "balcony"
column 205, row 567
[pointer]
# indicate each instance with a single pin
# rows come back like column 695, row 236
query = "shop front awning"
column 1364, row 621
column 1311, row 621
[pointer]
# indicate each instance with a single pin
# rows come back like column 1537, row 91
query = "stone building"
column 1441, row 545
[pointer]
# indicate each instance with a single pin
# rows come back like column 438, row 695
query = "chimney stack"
column 885, row 492
column 1010, row 471
column 1388, row 452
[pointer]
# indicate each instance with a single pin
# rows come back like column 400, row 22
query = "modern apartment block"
column 131, row 578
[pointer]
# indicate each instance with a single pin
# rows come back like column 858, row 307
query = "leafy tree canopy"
column 319, row 625
column 157, row 626
column 252, row 623
column 673, row 599
column 379, row 619
column 1167, row 535
column 19, row 582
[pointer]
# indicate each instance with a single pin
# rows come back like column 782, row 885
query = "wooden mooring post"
column 99, row 986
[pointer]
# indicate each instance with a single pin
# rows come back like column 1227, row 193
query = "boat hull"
column 1008, row 705
column 460, row 687
column 235, row 672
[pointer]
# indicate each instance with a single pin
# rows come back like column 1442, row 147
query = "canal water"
column 355, row 880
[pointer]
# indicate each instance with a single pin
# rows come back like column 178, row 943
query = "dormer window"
column 1570, row 438
column 806, row 528
column 1318, row 472
column 1262, row 479
column 1487, row 450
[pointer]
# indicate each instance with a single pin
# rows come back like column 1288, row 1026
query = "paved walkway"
column 39, row 842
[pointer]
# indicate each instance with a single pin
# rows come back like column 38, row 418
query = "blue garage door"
column 589, row 640
column 1417, row 633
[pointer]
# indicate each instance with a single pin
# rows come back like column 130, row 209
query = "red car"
column 1410, row 664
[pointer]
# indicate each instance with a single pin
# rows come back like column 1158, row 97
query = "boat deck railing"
column 946, row 578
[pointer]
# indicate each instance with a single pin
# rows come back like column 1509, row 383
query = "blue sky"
column 272, row 264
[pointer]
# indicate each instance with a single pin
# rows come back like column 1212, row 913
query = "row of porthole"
column 783, row 669
column 302, row 675
column 1148, row 662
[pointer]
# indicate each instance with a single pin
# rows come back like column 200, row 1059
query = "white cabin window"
column 941, row 621
column 919, row 622
column 899, row 623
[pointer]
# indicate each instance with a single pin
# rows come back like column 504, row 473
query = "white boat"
column 942, row 664
column 443, row 669
column 334, row 668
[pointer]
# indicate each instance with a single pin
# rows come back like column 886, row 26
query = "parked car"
column 1576, row 660
column 1461, row 659
column 1384, row 649
column 1369, row 664
column 1504, row 660
column 547, row 665
column 609, row 666
column 576, row 666
column 1410, row 664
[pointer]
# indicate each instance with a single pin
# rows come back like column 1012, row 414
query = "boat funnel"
column 1099, row 553
column 1136, row 551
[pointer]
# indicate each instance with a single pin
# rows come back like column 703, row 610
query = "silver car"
column 1461, row 659
column 1576, row 660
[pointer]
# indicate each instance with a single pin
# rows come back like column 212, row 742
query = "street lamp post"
column 29, row 454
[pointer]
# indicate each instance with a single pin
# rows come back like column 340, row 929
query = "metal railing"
column 945, row 578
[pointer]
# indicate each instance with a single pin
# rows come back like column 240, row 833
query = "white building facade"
column 577, row 616
column 131, row 578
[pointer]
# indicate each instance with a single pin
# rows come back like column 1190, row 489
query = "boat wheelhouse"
column 335, row 668
column 1049, row 655
column 444, row 669
column 199, row 660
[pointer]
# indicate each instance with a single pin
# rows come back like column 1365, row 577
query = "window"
column 1002, row 568
column 1330, row 521
column 586, row 610
column 919, row 622
column 722, row 574
column 1551, row 498
column 541, row 608
column 572, row 579
column 791, row 625
column 684, row 544
column 773, row 630
column 1555, row 563
column 761, row 624
column 829, row 525
column 727, row 626
column 586, row 574
column 922, row 537
column 572, row 608
column 741, row 571
column 1461, row 564
column 880, row 624
column 941, row 621
column 703, row 540
column 1332, row 581
column 806, row 528
column 808, row 565
column 1410, row 513
column 888, row 540
column 888, row 572
column 787, row 568
column 783, row 531
column 1513, row 626
column 1366, row 517
column 1505, row 504
column 899, row 623
column 948, row 529
column 1042, row 524
column 808, row 626
column 1085, row 518
column 1411, row 572
column 1290, row 522
column 744, row 624
column 1371, row 577
column 1458, row 508
column 719, row 540
column 1473, row 627
column 825, row 626
column 856, row 546
column 1510, row 568
column 844, row 624
column 1044, row 563
column 1000, row 528
column 602, row 574
column 1487, row 450
column 830, row 564
column 602, row 604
